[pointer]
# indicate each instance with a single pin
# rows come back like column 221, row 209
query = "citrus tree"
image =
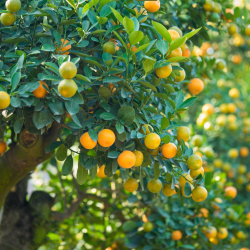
column 93, row 84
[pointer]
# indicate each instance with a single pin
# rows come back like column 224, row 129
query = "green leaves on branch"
column 128, row 25
column 162, row 31
column 135, row 37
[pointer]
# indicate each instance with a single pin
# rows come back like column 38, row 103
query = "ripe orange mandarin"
column 3, row 146
column 231, row 192
column 100, row 172
column 106, row 138
column 199, row 194
column 87, row 142
column 4, row 100
column 208, row 109
column 41, row 92
column 169, row 150
column 131, row 185
column 152, row 6
column 139, row 158
column 244, row 151
column 164, row 71
column 176, row 235
column 174, row 34
column 126, row 159
column 195, row 86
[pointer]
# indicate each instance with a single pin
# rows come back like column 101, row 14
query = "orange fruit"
column 106, row 138
column 183, row 133
column 148, row 128
column 3, row 146
column 241, row 235
column 126, row 159
column 199, row 194
column 232, row 29
column 164, row 71
column 247, row 30
column 87, row 142
column 217, row 200
column 68, row 70
column 208, row 5
column 197, row 140
column 139, row 158
column 237, row 59
column 223, row 108
column 154, row 186
column 4, row 100
column 184, row 178
column 208, row 109
column 231, row 107
column 242, row 169
column 175, row 53
column 67, row 88
column 176, row 235
column 169, row 150
column 244, row 151
column 7, row 19
column 210, row 232
column 234, row 93
column 194, row 162
column 109, row 47
column 233, row 153
column 218, row 163
column 167, row 190
column 221, row 64
column 186, row 53
column 174, row 34
column 63, row 49
column 195, row 86
column 131, row 185
column 181, row 77
column 134, row 48
column 204, row 212
column 13, row 5
column 217, row 8
column 154, row 152
column 231, row 192
column 194, row 173
column 100, row 172
column 152, row 141
column 176, row 29
column 152, row 6
column 148, row 226
column 41, row 92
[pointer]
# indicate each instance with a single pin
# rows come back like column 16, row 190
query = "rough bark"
column 22, row 158
column 24, row 223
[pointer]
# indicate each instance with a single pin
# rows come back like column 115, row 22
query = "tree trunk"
column 24, row 224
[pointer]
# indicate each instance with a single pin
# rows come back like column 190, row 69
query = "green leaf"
column 162, row 31
column 128, row 226
column 18, row 125
column 117, row 15
column 141, row 48
column 82, row 174
column 111, row 79
column 179, row 99
column 164, row 123
column 157, row 171
column 127, row 114
column 15, row 79
column 178, row 59
column 192, row 33
column 48, row 47
column 42, row 118
column 15, row 101
column 187, row 189
column 93, row 172
column 67, row 165
column 61, row 153
column 89, row 5
column 135, row 37
column 106, row 10
column 237, row 12
column 57, row 107
column 148, row 85
column 52, row 146
column 128, row 25
column 71, row 3
column 119, row 37
column 168, row 87
column 72, row 107
column 162, row 46
column 68, row 22
column 104, row 92
column 102, row 3
column 188, row 102
column 107, row 116
column 166, row 139
column 113, row 154
column 119, row 127
column 178, row 42
column 148, row 65
column 93, row 135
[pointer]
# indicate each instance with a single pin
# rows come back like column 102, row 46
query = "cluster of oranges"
column 9, row 18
